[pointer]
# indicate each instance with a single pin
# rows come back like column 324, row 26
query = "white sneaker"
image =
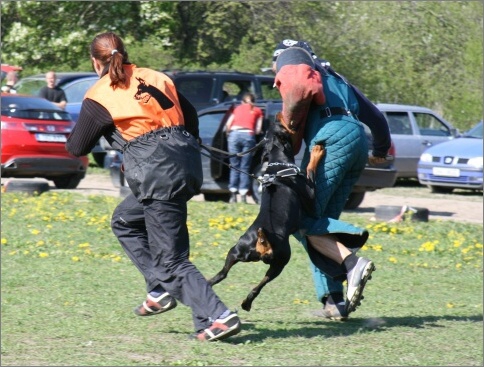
column 357, row 278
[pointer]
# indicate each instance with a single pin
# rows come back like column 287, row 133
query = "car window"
column 29, row 86
column 475, row 132
column 209, row 123
column 399, row 123
column 429, row 125
column 197, row 90
column 237, row 88
column 268, row 90
column 75, row 92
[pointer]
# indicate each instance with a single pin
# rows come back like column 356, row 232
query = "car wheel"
column 99, row 158
column 67, row 182
column 441, row 189
column 354, row 200
column 217, row 197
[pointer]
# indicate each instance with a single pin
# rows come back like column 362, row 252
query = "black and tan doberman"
column 286, row 192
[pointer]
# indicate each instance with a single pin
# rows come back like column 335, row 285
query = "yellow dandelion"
column 40, row 243
column 12, row 252
column 450, row 305
column 393, row 260
column 75, row 258
column 84, row 245
column 457, row 243
column 117, row 259
column 477, row 245
column 296, row 301
column 215, row 244
column 458, row 266
column 217, row 235
column 43, row 254
column 4, row 241
column 35, row 231
column 26, row 252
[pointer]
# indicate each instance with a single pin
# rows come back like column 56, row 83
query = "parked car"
column 208, row 88
column 75, row 86
column 34, row 132
column 414, row 129
column 216, row 173
column 453, row 164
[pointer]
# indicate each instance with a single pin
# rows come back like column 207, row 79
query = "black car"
column 216, row 170
column 208, row 88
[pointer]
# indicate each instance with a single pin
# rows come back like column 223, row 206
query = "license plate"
column 51, row 138
column 447, row 172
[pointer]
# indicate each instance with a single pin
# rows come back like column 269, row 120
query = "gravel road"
column 461, row 205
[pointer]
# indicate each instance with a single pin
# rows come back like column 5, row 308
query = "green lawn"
column 68, row 291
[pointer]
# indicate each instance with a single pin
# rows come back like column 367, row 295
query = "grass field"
column 68, row 291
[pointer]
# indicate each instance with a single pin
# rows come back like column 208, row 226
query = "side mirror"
column 454, row 132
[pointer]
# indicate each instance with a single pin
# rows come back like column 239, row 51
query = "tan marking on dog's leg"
column 263, row 246
column 317, row 153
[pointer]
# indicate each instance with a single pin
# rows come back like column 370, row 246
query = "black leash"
column 255, row 147
column 211, row 156
column 217, row 158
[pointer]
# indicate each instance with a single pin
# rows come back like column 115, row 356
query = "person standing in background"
column 12, row 79
column 242, row 127
column 53, row 93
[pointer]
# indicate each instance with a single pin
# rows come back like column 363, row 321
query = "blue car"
column 454, row 164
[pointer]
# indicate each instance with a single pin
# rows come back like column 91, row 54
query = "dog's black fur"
column 282, row 201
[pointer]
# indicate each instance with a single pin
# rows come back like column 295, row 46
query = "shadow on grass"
column 329, row 329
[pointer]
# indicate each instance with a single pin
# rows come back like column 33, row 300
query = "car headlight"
column 475, row 162
column 426, row 157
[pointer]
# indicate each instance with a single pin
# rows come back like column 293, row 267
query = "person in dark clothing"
column 335, row 124
column 53, row 93
column 140, row 112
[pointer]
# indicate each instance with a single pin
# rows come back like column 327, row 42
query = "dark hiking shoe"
column 334, row 311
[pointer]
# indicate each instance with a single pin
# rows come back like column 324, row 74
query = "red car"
column 34, row 132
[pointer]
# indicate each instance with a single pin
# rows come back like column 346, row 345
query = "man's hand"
column 376, row 160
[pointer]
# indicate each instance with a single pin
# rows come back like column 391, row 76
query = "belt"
column 330, row 111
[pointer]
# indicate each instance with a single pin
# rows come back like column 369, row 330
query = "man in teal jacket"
column 336, row 125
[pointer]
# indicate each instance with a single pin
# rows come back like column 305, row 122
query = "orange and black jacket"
column 118, row 113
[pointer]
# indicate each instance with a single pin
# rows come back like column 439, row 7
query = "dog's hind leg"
column 274, row 270
column 277, row 264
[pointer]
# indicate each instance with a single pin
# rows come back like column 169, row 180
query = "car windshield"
column 475, row 132
column 32, row 108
